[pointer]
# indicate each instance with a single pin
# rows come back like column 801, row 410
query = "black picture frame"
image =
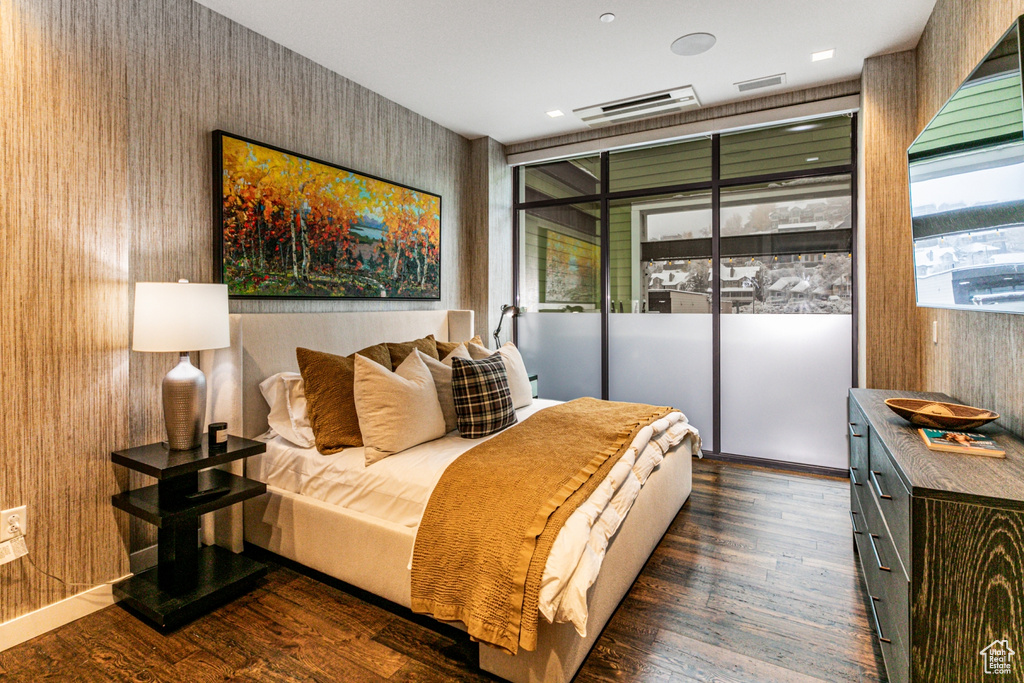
column 430, row 269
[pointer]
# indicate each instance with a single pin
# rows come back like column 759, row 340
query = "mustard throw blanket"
column 490, row 523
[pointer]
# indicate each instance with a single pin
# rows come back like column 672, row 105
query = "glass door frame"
column 715, row 185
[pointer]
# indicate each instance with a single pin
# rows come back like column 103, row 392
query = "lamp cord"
column 62, row 581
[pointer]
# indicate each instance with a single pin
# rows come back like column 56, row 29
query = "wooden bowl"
column 938, row 415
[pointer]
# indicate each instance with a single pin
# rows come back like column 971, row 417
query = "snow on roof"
column 739, row 272
column 929, row 256
column 801, row 287
column 670, row 277
column 782, row 283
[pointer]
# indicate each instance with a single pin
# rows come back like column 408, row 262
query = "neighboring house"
column 779, row 291
column 801, row 291
column 932, row 260
column 669, row 279
column 737, row 284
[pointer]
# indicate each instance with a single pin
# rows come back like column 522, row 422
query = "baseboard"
column 44, row 619
column 779, row 465
column 47, row 618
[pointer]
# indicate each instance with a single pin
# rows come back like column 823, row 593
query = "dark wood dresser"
column 940, row 537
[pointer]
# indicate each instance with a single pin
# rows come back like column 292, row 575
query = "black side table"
column 188, row 580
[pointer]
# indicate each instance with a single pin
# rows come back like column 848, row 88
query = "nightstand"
column 188, row 580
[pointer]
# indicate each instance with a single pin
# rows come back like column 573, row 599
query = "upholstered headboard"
column 264, row 343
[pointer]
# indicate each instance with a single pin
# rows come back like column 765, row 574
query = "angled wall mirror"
column 967, row 190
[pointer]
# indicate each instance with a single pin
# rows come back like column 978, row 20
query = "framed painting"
column 571, row 270
column 289, row 226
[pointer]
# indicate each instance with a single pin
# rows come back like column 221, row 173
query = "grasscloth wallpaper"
column 892, row 355
column 105, row 124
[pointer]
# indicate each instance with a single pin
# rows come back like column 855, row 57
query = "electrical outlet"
column 13, row 523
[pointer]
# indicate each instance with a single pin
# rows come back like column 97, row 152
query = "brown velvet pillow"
column 444, row 348
column 400, row 350
column 330, row 400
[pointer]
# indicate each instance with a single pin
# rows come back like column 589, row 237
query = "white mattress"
column 395, row 489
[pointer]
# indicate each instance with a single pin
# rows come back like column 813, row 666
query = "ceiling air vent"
column 757, row 83
column 642, row 107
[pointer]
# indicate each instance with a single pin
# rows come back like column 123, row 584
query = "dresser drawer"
column 897, row 663
column 892, row 497
column 890, row 592
column 859, row 523
column 858, row 435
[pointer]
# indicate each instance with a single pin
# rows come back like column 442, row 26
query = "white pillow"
column 285, row 393
column 442, row 373
column 396, row 410
column 515, row 368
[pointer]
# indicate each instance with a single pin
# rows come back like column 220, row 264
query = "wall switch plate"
column 13, row 523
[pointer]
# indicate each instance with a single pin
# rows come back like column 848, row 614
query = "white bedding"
column 397, row 489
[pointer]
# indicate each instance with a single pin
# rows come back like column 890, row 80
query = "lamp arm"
column 501, row 321
column 497, row 332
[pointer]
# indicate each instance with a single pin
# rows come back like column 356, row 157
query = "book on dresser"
column 968, row 443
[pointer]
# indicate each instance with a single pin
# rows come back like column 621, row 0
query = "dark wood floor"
column 755, row 581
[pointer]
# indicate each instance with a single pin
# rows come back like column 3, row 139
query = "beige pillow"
column 442, row 373
column 515, row 368
column 477, row 351
column 444, row 349
column 397, row 410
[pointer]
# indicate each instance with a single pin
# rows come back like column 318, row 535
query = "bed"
column 295, row 520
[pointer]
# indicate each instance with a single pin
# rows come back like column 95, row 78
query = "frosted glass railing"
column 564, row 351
column 664, row 360
column 785, row 380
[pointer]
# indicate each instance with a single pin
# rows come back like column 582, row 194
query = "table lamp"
column 181, row 317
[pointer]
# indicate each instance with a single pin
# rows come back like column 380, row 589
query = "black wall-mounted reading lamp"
column 507, row 311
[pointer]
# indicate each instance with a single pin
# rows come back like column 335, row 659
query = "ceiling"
column 494, row 67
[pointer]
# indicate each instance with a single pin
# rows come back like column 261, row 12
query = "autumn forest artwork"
column 290, row 226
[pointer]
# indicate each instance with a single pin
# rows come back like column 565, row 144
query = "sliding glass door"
column 660, row 341
column 715, row 275
column 786, row 324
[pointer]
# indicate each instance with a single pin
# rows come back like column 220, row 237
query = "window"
column 719, row 268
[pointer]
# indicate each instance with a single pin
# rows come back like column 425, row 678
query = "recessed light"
column 812, row 158
column 802, row 127
column 824, row 54
column 607, row 17
column 555, row 113
column 693, row 44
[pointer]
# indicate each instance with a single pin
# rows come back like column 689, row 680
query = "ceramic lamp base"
column 184, row 395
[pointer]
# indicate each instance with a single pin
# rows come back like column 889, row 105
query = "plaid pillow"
column 483, row 402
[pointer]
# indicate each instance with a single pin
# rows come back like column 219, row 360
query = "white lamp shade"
column 176, row 316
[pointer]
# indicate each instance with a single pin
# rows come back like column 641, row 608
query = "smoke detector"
column 639, row 107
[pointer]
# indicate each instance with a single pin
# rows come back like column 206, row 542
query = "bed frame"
column 329, row 538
